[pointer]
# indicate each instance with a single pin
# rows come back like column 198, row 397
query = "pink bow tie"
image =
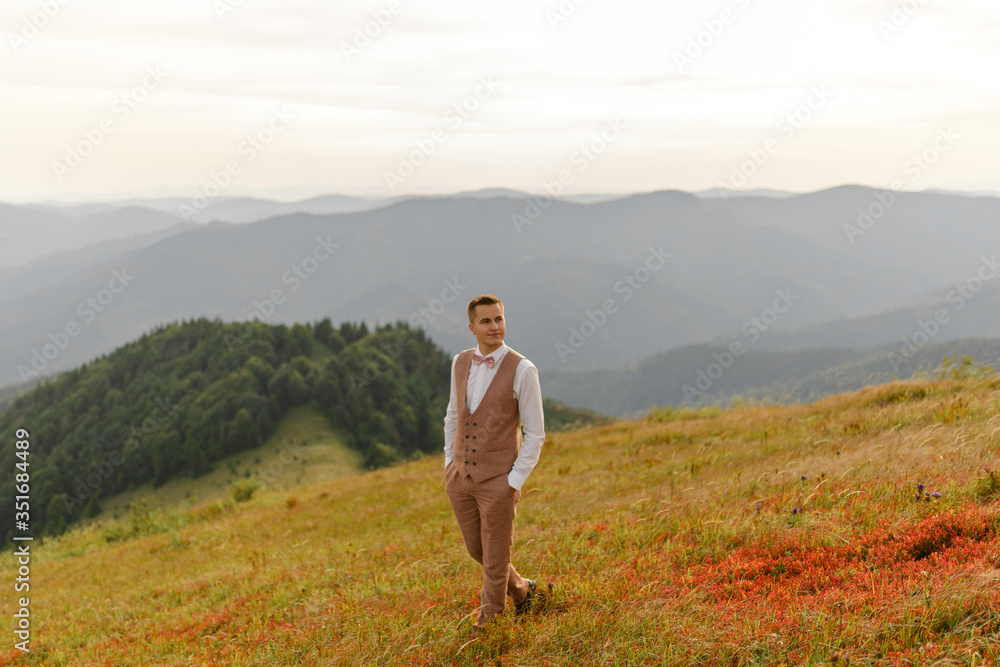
column 489, row 361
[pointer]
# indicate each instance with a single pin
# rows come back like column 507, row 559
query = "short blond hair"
column 482, row 300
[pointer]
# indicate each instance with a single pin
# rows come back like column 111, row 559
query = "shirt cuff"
column 515, row 480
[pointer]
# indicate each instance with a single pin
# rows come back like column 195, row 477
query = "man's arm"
column 450, row 419
column 529, row 402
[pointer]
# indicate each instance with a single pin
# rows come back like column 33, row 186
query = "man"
column 494, row 391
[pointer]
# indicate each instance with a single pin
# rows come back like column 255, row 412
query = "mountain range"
column 587, row 286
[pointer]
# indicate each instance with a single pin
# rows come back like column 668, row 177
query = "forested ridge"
column 187, row 394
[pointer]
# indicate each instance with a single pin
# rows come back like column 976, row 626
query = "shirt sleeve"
column 528, row 393
column 450, row 419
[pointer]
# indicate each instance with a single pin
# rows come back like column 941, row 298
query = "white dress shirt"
column 528, row 395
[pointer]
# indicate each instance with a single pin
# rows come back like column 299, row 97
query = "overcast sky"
column 296, row 100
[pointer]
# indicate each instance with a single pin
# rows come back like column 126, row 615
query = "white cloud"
column 556, row 87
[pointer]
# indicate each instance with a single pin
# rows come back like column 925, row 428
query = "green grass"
column 304, row 449
column 775, row 535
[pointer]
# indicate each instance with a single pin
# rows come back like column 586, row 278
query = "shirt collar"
column 497, row 354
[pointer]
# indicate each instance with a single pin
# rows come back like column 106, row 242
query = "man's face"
column 488, row 326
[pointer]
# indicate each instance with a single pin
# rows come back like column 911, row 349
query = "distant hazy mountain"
column 875, row 366
column 487, row 193
column 944, row 314
column 32, row 233
column 253, row 209
column 697, row 375
column 965, row 193
column 569, row 261
column 716, row 193
column 226, row 209
column 40, row 230
column 587, row 286
column 684, row 375
column 61, row 266
column 939, row 236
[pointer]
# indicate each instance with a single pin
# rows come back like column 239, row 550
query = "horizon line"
column 260, row 193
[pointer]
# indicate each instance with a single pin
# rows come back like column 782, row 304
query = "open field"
column 303, row 449
column 862, row 529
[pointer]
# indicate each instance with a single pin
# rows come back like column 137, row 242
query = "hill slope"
column 700, row 375
column 174, row 402
column 864, row 523
column 303, row 449
column 189, row 398
column 557, row 272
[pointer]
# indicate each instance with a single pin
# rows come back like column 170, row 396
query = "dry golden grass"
column 749, row 536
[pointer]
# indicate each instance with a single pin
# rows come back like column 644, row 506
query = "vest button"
column 467, row 449
column 466, row 463
column 473, row 437
column 473, row 463
column 473, row 451
column 473, row 423
column 466, row 423
column 466, row 437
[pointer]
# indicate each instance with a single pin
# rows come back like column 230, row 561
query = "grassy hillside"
column 175, row 404
column 866, row 523
column 559, row 417
column 693, row 375
column 875, row 367
column 185, row 409
column 303, row 450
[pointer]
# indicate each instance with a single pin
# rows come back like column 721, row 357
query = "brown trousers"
column 485, row 512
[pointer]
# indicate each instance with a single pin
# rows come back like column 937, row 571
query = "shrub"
column 988, row 486
column 242, row 490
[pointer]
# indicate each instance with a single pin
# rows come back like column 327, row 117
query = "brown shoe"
column 529, row 599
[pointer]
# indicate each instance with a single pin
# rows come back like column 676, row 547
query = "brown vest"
column 488, row 440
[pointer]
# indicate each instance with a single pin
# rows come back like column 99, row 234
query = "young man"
column 494, row 391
